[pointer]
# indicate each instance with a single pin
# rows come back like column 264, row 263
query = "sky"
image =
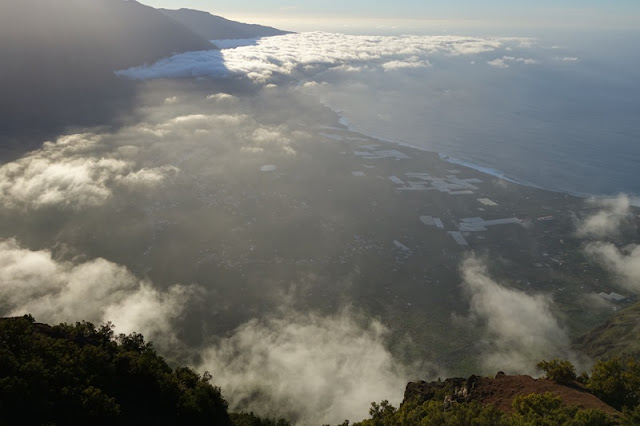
column 333, row 14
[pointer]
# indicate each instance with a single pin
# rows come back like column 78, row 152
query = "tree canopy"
column 82, row 374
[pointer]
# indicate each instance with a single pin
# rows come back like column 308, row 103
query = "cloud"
column 321, row 369
column 567, row 58
column 624, row 262
column 189, row 64
column 146, row 177
column 518, row 329
column 96, row 290
column 272, row 137
column 87, row 170
column 73, row 172
column 612, row 214
column 505, row 61
column 264, row 59
column 611, row 217
column 221, row 97
column 412, row 62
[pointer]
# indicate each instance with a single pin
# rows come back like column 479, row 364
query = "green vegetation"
column 617, row 382
column 82, row 374
column 79, row 374
column 528, row 410
column 618, row 336
column 547, row 409
column 560, row 371
column 250, row 419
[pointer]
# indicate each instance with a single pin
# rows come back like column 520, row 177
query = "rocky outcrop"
column 500, row 392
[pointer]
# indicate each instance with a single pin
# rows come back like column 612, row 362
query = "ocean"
column 555, row 112
column 569, row 125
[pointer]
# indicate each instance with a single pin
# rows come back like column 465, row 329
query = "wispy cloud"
column 314, row 368
column 607, row 220
column 96, row 290
column 517, row 329
column 73, row 172
column 623, row 262
column 506, row 61
column 606, row 224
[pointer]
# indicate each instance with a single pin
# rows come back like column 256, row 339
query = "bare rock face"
column 451, row 390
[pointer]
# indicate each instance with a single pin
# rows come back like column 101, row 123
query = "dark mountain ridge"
column 214, row 27
column 58, row 58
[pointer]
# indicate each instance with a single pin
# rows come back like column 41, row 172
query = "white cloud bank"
column 322, row 369
column 73, row 172
column 292, row 53
column 518, row 329
column 319, row 368
column 96, row 290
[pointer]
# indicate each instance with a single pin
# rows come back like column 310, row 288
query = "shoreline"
column 633, row 198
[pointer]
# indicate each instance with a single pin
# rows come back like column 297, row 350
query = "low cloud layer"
column 612, row 213
column 298, row 53
column 321, row 369
column 518, row 329
column 73, row 172
column 96, row 290
column 506, row 61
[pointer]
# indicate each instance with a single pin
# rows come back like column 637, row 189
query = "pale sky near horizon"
column 621, row 14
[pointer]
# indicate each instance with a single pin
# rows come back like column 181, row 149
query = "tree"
column 548, row 410
column 559, row 371
column 79, row 374
column 616, row 381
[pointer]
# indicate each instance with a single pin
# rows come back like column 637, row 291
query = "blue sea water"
column 569, row 120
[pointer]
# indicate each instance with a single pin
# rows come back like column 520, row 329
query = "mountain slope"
column 620, row 335
column 58, row 57
column 214, row 27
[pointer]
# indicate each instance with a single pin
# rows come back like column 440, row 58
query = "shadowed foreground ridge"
column 521, row 400
column 58, row 59
column 80, row 374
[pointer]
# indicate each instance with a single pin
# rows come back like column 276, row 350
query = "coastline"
column 344, row 121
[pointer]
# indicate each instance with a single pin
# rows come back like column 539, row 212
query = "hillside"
column 620, row 335
column 501, row 390
column 503, row 400
column 58, row 58
column 212, row 27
